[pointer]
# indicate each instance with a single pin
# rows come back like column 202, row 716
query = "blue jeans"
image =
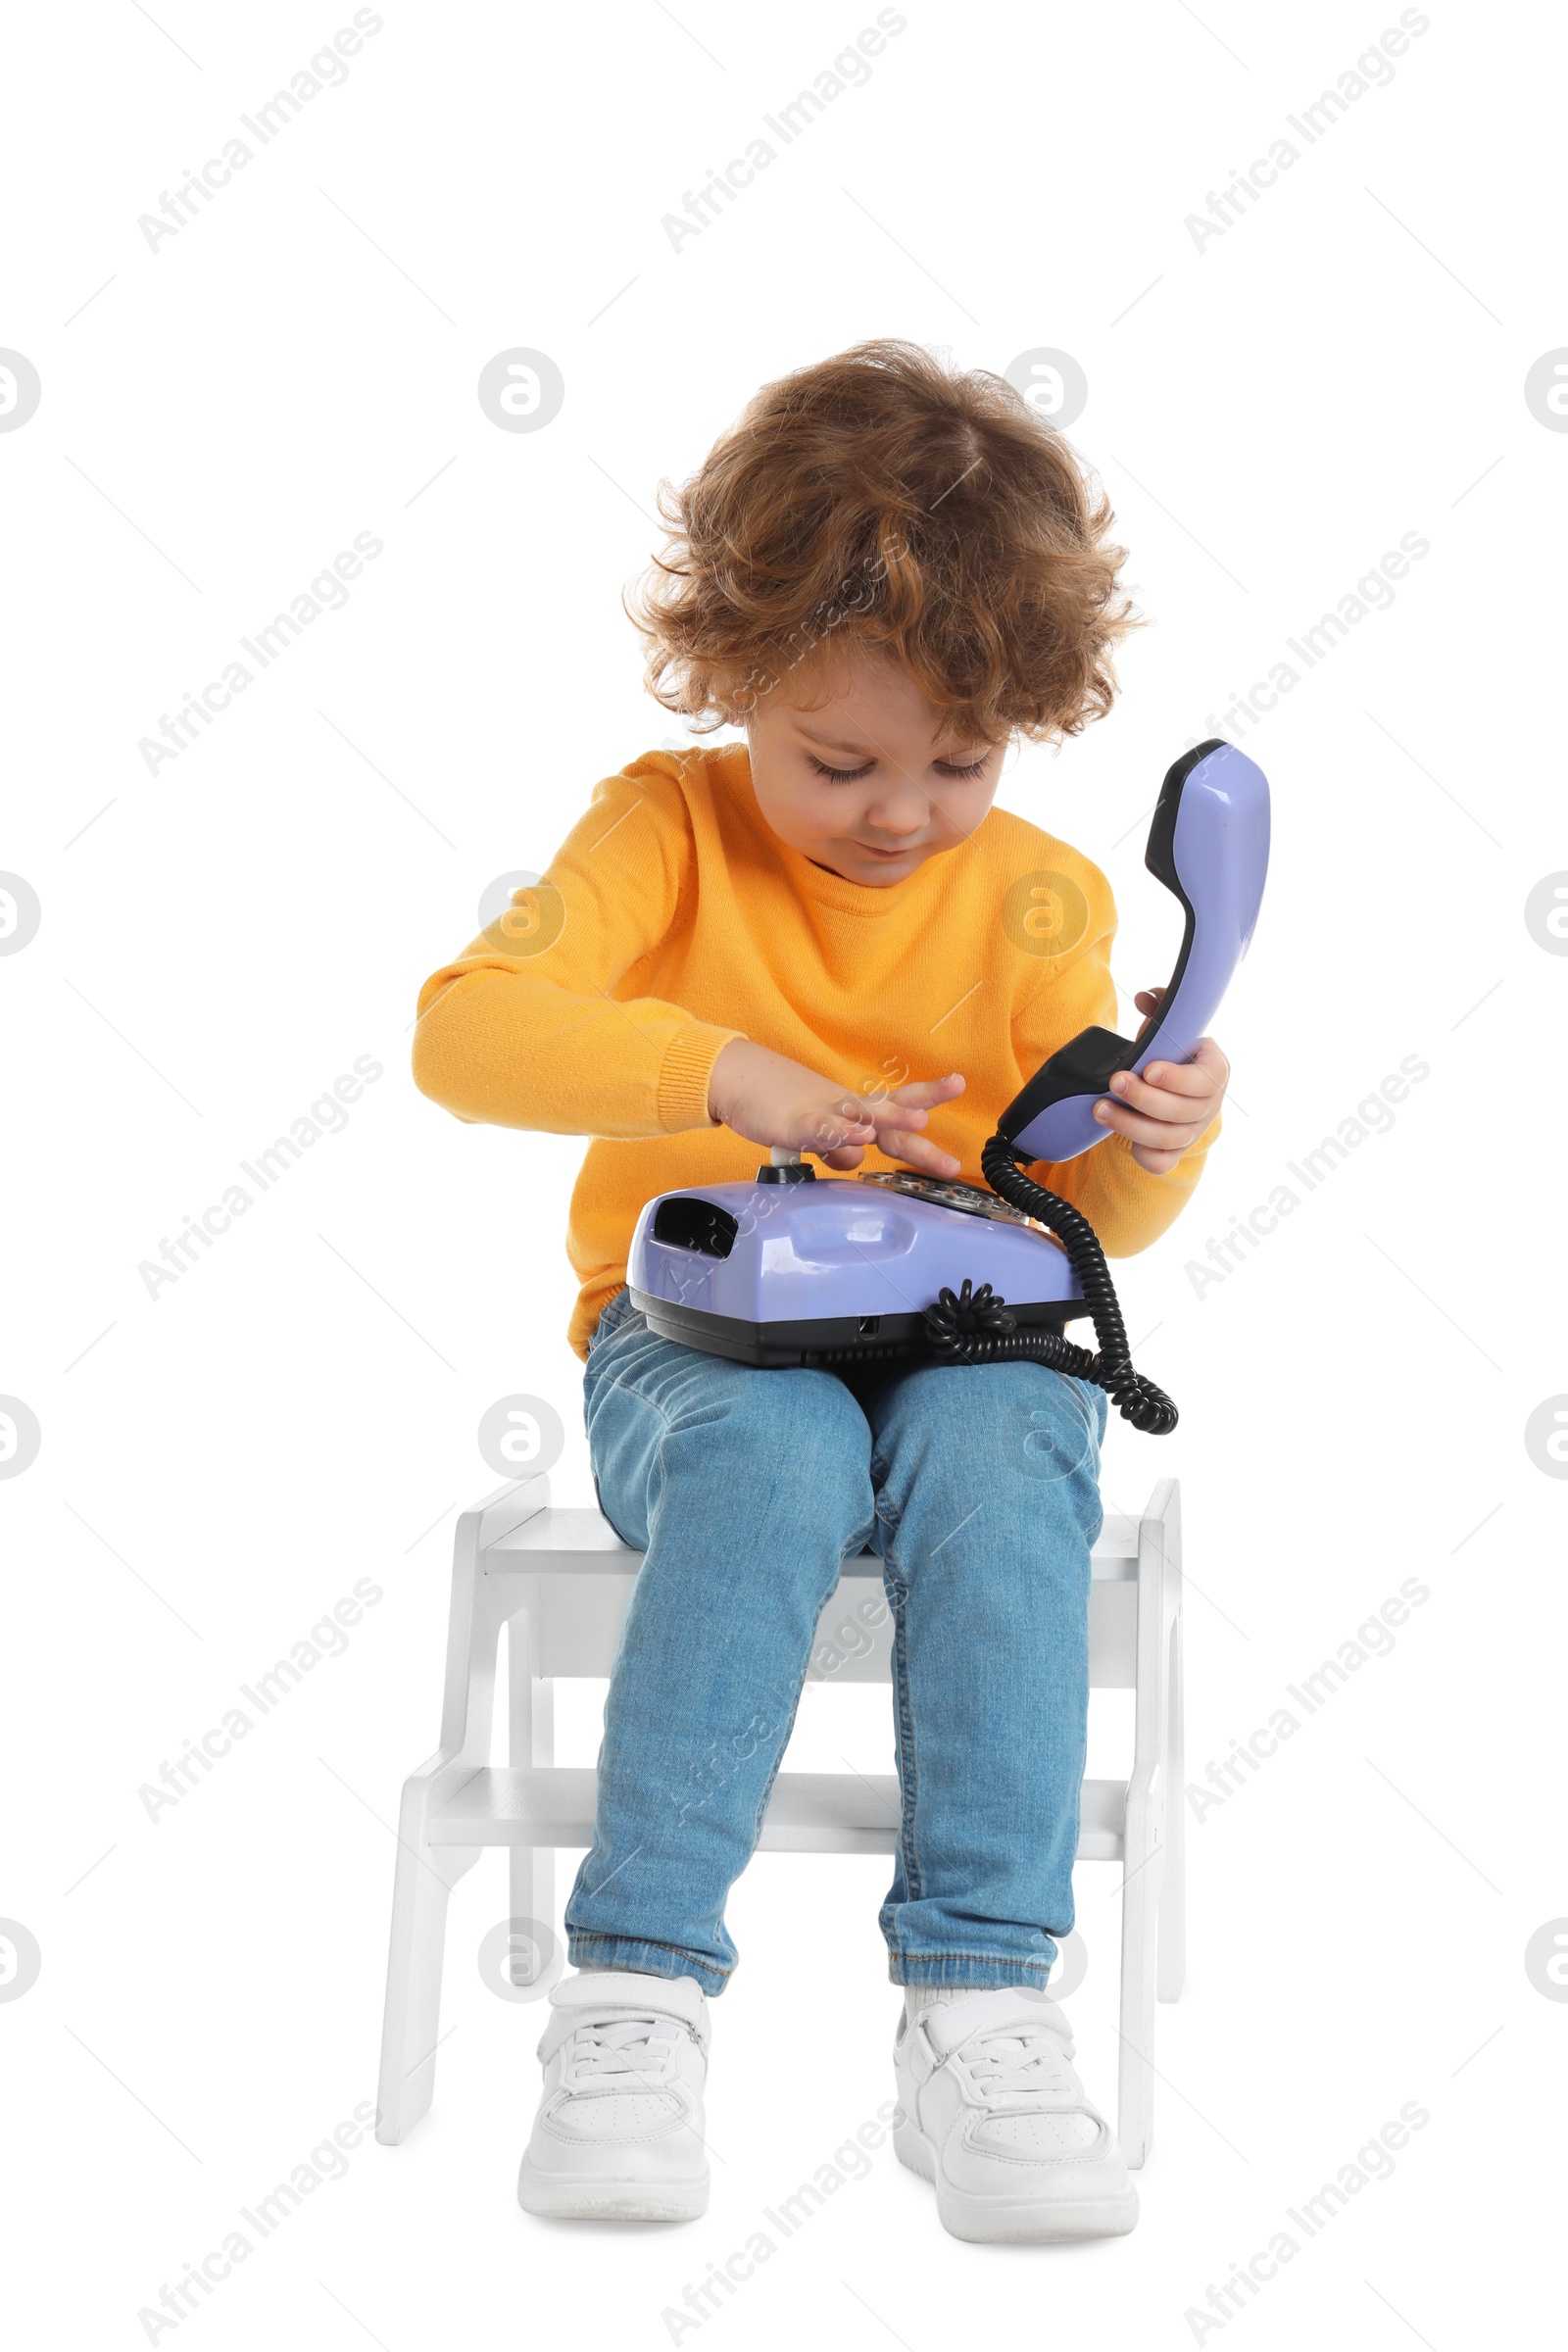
column 748, row 1489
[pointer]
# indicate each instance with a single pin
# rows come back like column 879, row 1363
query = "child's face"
column 857, row 776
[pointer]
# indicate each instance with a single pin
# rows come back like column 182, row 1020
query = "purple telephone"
column 796, row 1269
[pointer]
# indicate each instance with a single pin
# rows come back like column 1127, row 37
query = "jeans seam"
column 909, row 1761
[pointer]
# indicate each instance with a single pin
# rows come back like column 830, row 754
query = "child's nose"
column 899, row 817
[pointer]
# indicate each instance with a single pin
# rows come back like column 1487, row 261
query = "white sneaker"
column 619, row 2136
column 996, row 2117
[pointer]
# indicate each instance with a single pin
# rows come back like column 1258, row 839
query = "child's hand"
column 773, row 1101
column 1169, row 1106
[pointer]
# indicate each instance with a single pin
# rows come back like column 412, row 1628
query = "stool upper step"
column 566, row 1540
column 808, row 1813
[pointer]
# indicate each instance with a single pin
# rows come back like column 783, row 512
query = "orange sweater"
column 674, row 919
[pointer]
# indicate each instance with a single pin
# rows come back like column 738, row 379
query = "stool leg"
column 531, row 1734
column 424, row 1877
column 1148, row 1808
column 1140, row 1902
column 1173, row 1889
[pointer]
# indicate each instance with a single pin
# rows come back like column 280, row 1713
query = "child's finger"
column 1165, row 1134
column 918, row 1153
column 831, row 1131
column 1208, row 1064
column 1180, row 1079
column 928, row 1091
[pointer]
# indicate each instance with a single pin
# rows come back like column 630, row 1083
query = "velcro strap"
column 615, row 1995
column 1007, row 2008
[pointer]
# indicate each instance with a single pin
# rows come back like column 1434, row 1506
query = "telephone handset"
column 1208, row 844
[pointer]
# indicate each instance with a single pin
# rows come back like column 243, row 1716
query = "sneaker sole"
column 1014, row 2221
column 569, row 2197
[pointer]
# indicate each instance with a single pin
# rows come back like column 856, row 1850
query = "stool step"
column 568, row 1542
column 808, row 1812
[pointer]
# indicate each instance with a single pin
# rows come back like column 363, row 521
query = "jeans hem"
column 649, row 1959
column 967, row 1971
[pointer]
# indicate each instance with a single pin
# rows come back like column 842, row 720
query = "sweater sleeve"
column 1127, row 1205
column 526, row 1029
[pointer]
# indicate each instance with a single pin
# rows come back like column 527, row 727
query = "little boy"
column 827, row 938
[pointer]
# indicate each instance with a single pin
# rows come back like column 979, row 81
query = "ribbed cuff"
column 683, row 1078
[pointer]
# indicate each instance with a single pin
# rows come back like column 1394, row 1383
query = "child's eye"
column 959, row 771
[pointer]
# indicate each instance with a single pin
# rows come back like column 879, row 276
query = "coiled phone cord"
column 975, row 1327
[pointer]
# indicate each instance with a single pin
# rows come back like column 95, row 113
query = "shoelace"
column 1016, row 2062
column 626, row 2045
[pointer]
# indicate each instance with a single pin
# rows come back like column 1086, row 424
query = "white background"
column 219, row 1464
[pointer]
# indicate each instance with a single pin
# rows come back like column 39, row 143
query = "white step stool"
column 562, row 1579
